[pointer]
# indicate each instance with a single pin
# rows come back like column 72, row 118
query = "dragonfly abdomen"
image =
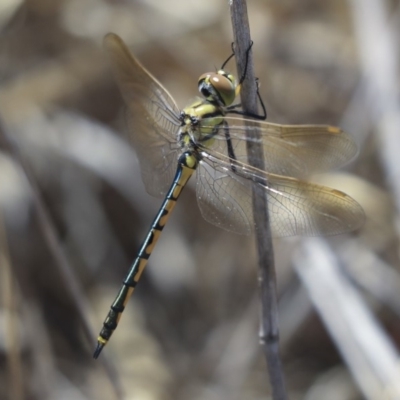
column 186, row 166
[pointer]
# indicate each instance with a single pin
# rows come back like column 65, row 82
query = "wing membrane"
column 224, row 198
column 290, row 150
column 152, row 116
column 295, row 207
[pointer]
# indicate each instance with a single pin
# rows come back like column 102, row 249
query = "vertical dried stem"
column 269, row 332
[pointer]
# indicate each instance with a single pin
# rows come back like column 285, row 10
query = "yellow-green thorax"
column 200, row 121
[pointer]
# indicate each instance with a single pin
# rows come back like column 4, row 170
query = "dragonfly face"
column 218, row 88
column 171, row 144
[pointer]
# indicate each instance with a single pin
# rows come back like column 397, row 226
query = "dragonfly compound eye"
column 218, row 87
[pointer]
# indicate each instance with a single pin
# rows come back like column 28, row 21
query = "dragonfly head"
column 219, row 87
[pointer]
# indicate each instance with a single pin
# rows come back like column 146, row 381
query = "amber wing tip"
column 98, row 350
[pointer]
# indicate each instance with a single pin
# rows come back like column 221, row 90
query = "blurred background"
column 74, row 210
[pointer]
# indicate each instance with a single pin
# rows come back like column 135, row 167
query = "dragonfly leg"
column 231, row 152
column 229, row 58
column 233, row 108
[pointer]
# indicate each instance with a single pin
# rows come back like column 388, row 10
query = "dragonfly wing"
column 295, row 207
column 224, row 198
column 157, row 159
column 290, row 150
column 152, row 116
column 307, row 209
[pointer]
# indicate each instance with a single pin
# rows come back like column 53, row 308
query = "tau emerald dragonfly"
column 172, row 143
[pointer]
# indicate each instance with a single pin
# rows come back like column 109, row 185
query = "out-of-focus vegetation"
column 190, row 331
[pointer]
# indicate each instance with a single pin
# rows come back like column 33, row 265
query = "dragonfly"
column 208, row 136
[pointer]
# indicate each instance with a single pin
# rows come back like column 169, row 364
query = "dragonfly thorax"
column 219, row 88
column 200, row 121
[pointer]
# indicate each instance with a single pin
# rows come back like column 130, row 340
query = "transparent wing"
column 152, row 116
column 290, row 150
column 295, row 207
column 224, row 198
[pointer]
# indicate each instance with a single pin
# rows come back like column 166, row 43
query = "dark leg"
column 231, row 152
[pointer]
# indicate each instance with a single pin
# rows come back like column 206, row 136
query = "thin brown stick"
column 269, row 331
